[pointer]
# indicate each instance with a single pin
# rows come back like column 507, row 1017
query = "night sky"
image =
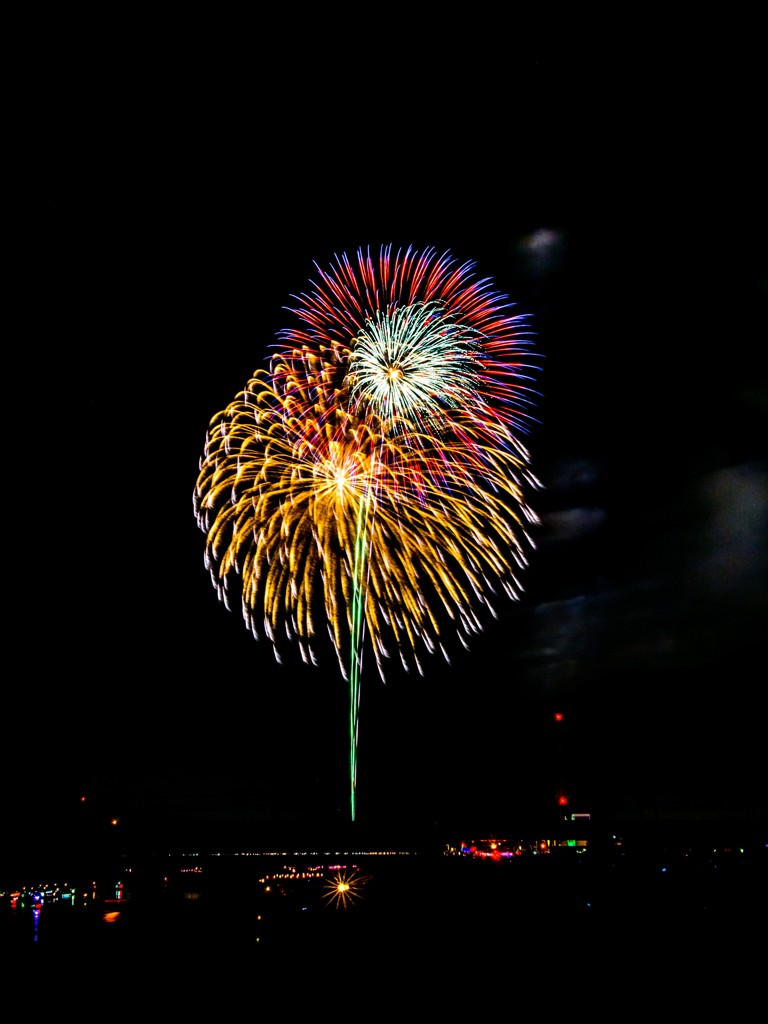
column 171, row 216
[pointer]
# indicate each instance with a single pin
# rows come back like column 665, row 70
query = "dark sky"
column 171, row 215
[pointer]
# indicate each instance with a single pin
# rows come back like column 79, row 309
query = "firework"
column 344, row 888
column 372, row 481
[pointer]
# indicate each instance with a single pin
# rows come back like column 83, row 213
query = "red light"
column 558, row 716
column 562, row 799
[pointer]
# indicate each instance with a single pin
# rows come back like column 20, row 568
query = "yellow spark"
column 344, row 888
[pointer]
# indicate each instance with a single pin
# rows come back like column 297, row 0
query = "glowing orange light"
column 344, row 888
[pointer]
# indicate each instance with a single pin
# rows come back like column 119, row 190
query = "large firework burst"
column 373, row 481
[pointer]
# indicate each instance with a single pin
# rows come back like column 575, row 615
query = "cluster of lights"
column 502, row 849
column 342, row 884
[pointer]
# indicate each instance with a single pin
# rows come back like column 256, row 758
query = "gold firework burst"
column 343, row 888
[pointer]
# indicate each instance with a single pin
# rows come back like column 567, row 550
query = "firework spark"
column 372, row 481
column 344, row 888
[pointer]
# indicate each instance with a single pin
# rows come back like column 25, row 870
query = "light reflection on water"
column 244, row 904
column 251, row 906
column 443, row 932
